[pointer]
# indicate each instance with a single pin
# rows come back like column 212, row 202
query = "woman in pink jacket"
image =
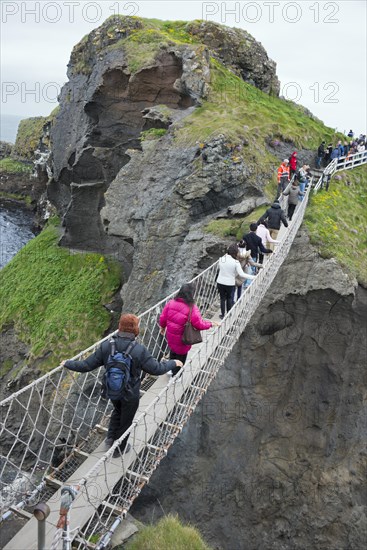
column 173, row 319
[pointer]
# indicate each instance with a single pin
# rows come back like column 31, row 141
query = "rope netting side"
column 44, row 422
column 156, row 428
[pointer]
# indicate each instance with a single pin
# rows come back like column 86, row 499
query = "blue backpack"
column 115, row 384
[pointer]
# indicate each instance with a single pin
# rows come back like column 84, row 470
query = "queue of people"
column 340, row 149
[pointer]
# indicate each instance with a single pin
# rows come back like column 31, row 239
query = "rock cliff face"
column 126, row 78
column 274, row 457
column 174, row 202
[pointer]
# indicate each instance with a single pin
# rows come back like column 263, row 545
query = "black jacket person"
column 124, row 409
column 254, row 243
column 274, row 216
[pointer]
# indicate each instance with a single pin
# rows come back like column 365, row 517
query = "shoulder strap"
column 189, row 317
column 113, row 345
column 130, row 347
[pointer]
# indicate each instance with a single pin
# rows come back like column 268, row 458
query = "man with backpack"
column 124, row 359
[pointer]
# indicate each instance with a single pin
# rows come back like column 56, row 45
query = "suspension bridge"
column 53, row 430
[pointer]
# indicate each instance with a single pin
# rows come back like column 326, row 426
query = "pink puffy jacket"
column 174, row 317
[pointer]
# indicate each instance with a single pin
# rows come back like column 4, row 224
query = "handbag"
column 190, row 334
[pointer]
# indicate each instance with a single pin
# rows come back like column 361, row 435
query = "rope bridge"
column 53, row 430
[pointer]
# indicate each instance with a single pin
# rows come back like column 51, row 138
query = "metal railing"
column 336, row 165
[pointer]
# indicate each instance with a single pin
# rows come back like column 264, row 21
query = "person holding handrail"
column 173, row 320
column 229, row 268
column 124, row 409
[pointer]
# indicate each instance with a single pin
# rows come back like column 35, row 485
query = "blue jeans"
column 302, row 187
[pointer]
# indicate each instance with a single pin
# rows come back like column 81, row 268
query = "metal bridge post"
column 41, row 513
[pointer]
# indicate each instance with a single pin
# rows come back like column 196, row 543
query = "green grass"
column 238, row 110
column 5, row 367
column 30, row 131
column 235, row 227
column 55, row 299
column 153, row 133
column 337, row 221
column 12, row 166
column 168, row 534
column 15, row 197
column 140, row 44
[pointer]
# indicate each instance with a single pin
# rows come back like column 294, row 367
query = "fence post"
column 41, row 513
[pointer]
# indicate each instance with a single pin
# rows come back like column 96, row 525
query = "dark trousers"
column 239, row 293
column 291, row 209
column 121, row 419
column 226, row 297
column 282, row 185
column 174, row 355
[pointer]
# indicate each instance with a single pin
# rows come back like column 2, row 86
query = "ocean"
column 15, row 230
column 15, row 222
column 9, row 127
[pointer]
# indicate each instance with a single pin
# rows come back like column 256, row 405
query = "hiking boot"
column 108, row 443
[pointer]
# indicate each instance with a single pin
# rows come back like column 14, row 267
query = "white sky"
column 319, row 48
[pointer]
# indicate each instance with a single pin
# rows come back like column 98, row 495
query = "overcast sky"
column 319, row 48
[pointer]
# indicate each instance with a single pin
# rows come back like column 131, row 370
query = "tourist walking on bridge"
column 293, row 163
column 283, row 177
column 174, row 317
column 254, row 243
column 263, row 232
column 275, row 217
column 320, row 154
column 229, row 268
column 124, row 409
column 293, row 191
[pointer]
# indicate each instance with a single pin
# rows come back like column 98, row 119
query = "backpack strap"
column 127, row 351
column 130, row 347
column 112, row 342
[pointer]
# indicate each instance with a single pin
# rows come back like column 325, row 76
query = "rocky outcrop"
column 274, row 456
column 125, row 78
column 5, row 149
column 237, row 49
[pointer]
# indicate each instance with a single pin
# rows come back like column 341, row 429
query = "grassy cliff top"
column 245, row 114
column 30, row 131
column 140, row 38
column 55, row 298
